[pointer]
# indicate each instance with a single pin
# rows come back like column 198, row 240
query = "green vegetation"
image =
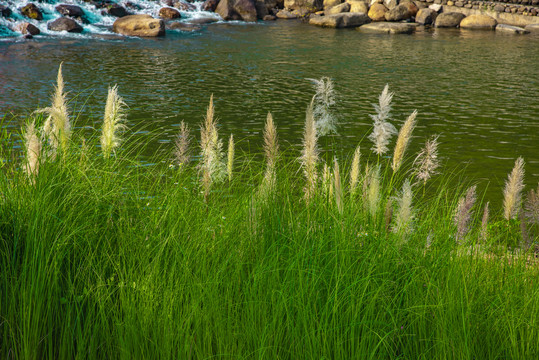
column 234, row 257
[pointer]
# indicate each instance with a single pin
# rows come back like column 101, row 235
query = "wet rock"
column 184, row 6
column 389, row 28
column 391, row 4
column 237, row 10
column 509, row 29
column 176, row 25
column 342, row 8
column 304, row 6
column 448, row 20
column 5, row 11
column 261, row 10
column 478, row 22
column 269, row 18
column 132, row 6
column 435, row 7
column 64, row 24
column 331, row 3
column 70, row 10
column 139, row 25
column 342, row 20
column 31, row 11
column 399, row 13
column 210, row 5
column 426, row 16
column 27, row 28
column 358, row 6
column 285, row 14
column 169, row 13
column 533, row 28
column 117, row 10
column 377, row 12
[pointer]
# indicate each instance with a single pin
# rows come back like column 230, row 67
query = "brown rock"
column 237, row 10
column 64, row 24
column 400, row 12
column 117, row 10
column 358, row 6
column 331, row 3
column 5, row 11
column 210, row 5
column 377, row 12
column 31, row 11
column 169, row 13
column 448, row 20
column 176, row 25
column 70, row 10
column 389, row 28
column 285, row 14
column 269, row 18
column 342, row 20
column 27, row 28
column 139, row 25
column 342, row 8
column 478, row 22
column 426, row 16
column 304, row 6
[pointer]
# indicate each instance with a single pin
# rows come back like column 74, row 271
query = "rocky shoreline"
column 383, row 16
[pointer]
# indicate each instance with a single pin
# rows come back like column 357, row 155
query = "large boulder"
column 26, row 28
column 210, row 5
column 304, row 6
column 69, row 10
column 169, row 13
column 478, row 22
column 5, row 11
column 31, row 11
column 533, row 28
column 389, row 28
column 426, row 16
column 341, row 20
column 509, row 29
column 377, row 12
column 139, row 25
column 64, row 24
column 390, row 4
column 237, row 10
column 398, row 13
column 358, row 6
column 448, row 20
column 286, row 15
column 341, row 8
column 261, row 10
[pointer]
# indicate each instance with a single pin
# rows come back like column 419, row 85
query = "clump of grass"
column 113, row 122
column 512, row 194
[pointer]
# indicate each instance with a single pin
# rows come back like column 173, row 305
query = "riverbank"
column 153, row 18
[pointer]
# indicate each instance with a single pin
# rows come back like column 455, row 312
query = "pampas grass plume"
column 33, row 150
column 112, row 122
column 354, row 172
column 484, row 222
column 338, row 187
column 463, row 213
column 404, row 213
column 382, row 129
column 373, row 192
column 403, row 139
column 512, row 194
column 271, row 150
column 230, row 160
column 181, row 145
column 427, row 161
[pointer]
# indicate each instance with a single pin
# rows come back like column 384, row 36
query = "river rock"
column 64, row 24
column 342, row 20
column 69, row 10
column 399, row 13
column 377, row 12
column 169, row 13
column 435, row 7
column 285, row 14
column 27, row 28
column 237, row 10
column 184, row 6
column 261, row 10
column 533, row 28
column 269, row 18
column 509, row 29
column 32, row 11
column 331, row 3
column 389, row 28
column 202, row 20
column 341, row 8
column 5, row 11
column 448, row 20
column 304, row 6
column 210, row 5
column 117, row 10
column 176, row 25
column 139, row 25
column 478, row 22
column 390, row 4
column 358, row 6
column 426, row 16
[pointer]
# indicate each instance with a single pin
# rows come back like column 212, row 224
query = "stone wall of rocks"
column 520, row 7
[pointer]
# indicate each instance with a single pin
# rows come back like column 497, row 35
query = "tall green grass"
column 103, row 257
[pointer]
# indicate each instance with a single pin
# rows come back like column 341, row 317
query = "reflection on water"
column 476, row 89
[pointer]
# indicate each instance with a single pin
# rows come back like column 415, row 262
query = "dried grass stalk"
column 403, row 139
column 512, row 194
column 310, row 154
column 382, row 129
column 463, row 213
column 112, row 122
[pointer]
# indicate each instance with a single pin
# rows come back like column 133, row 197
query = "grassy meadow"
column 281, row 253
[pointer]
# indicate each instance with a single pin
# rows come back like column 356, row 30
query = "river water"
column 477, row 90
